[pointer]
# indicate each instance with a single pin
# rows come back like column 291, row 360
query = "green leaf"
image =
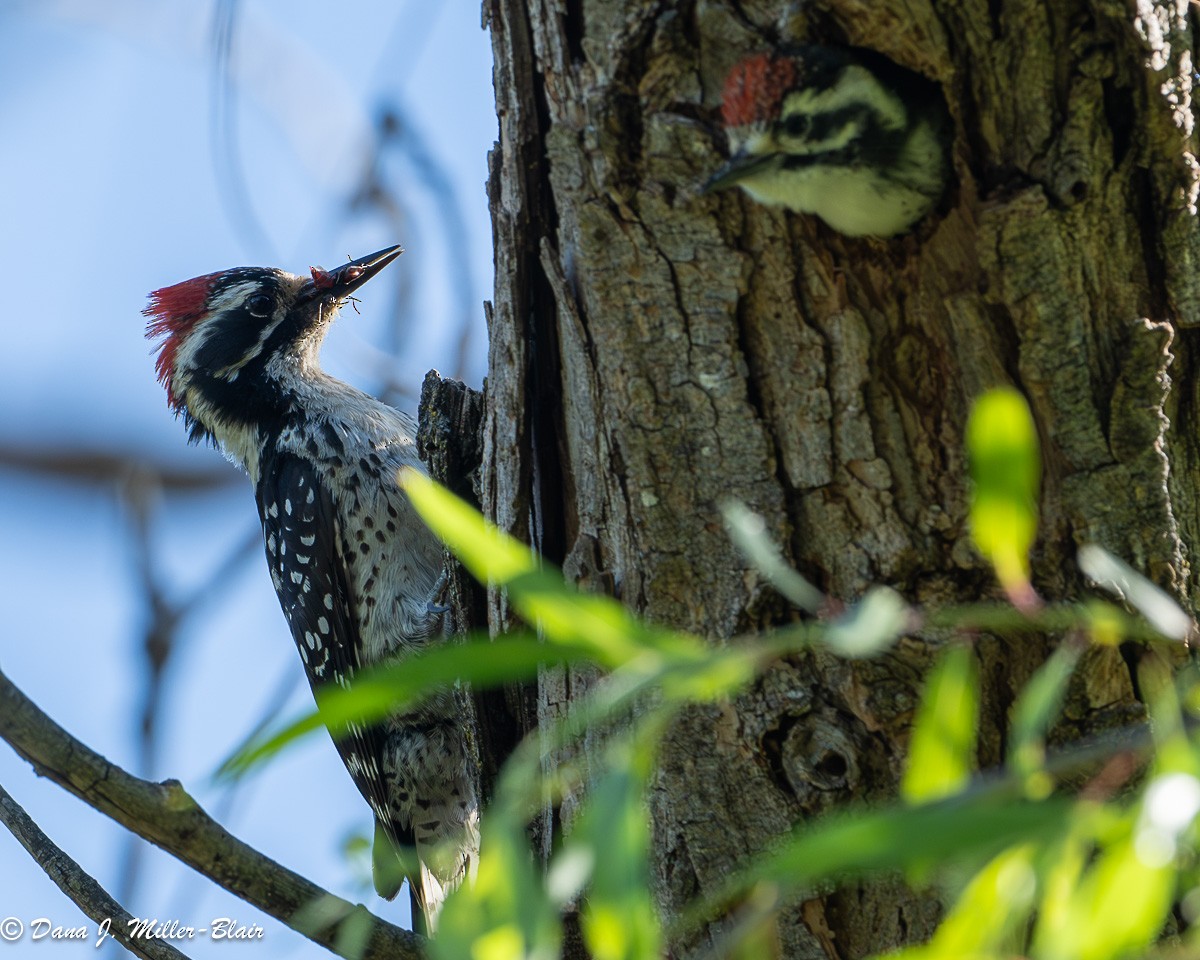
column 1037, row 708
column 748, row 532
column 1160, row 609
column 1121, row 905
column 941, row 753
column 506, row 913
column 1062, row 865
column 685, row 667
column 619, row 921
column 490, row 555
column 990, row 915
column 849, row 844
column 599, row 624
column 1002, row 448
column 379, row 692
column 871, row 625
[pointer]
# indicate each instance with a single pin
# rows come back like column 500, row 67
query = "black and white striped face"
column 848, row 136
column 817, row 106
column 218, row 332
column 830, row 120
column 221, row 332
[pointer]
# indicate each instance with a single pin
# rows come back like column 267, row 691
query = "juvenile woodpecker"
column 846, row 135
column 354, row 567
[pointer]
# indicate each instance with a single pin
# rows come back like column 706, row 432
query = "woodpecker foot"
column 436, row 606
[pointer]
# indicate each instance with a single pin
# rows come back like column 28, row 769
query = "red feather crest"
column 755, row 89
column 173, row 311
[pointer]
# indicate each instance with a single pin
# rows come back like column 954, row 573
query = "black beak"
column 740, row 167
column 340, row 283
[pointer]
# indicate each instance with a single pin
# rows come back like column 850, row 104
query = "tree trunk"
column 654, row 352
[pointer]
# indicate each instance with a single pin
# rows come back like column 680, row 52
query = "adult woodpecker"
column 847, row 135
column 354, row 567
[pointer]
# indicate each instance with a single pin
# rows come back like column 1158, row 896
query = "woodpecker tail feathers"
column 434, row 871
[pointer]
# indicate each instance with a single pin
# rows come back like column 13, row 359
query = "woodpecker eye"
column 796, row 125
column 259, row 305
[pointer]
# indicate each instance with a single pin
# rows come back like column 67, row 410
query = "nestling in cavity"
column 846, row 135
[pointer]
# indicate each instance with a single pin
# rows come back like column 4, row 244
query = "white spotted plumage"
column 354, row 567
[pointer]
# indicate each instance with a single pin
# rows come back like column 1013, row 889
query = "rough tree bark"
column 654, row 352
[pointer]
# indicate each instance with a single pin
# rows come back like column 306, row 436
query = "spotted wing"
column 302, row 535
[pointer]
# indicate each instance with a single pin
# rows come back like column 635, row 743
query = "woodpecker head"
column 846, row 135
column 231, row 341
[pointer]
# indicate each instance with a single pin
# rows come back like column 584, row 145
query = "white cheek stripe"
column 185, row 361
column 857, row 86
column 185, row 356
column 232, row 296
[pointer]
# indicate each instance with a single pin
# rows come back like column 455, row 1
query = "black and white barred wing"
column 300, row 527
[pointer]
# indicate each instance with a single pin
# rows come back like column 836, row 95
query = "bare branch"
column 396, row 127
column 104, row 467
column 168, row 817
column 141, row 492
column 71, row 879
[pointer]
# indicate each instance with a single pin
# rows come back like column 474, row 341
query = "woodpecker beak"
column 340, row 283
column 741, row 167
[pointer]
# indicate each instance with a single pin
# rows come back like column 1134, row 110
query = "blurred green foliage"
column 1006, row 471
column 1028, row 864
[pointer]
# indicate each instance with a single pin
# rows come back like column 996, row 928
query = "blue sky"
column 111, row 185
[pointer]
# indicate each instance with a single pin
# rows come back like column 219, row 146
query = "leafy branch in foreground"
column 1032, row 864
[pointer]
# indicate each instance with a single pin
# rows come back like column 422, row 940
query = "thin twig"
column 82, row 888
column 141, row 494
column 167, row 816
column 101, row 468
column 395, row 126
column 234, row 193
